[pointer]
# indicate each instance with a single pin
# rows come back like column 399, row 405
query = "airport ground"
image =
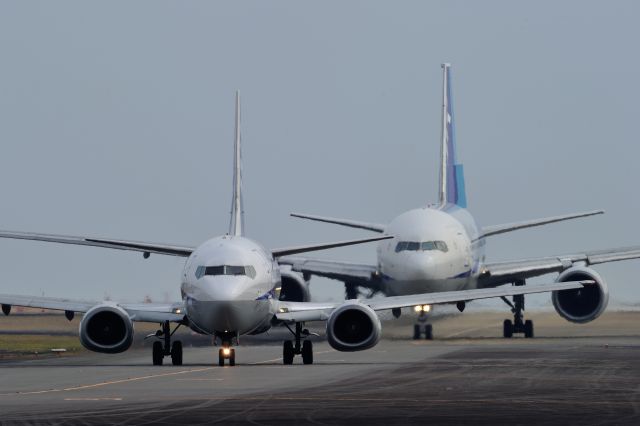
column 569, row 374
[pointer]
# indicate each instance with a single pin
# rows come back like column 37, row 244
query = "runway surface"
column 468, row 374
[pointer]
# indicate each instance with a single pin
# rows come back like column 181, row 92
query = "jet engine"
column 294, row 288
column 583, row 304
column 106, row 328
column 353, row 327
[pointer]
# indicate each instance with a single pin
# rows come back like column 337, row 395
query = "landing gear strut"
column 226, row 352
column 518, row 325
column 298, row 347
column 161, row 350
column 422, row 326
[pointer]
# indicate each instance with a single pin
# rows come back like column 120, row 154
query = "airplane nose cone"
column 422, row 267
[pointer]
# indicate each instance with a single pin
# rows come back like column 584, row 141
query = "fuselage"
column 229, row 285
column 433, row 249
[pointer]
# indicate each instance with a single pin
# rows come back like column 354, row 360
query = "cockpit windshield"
column 421, row 246
column 248, row 270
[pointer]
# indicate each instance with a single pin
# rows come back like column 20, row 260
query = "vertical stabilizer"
column 452, row 189
column 236, row 227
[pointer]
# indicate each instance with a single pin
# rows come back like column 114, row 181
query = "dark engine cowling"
column 293, row 287
column 353, row 327
column 583, row 304
column 106, row 328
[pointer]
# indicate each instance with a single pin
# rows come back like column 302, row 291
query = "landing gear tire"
column 221, row 357
column 507, row 329
column 428, row 332
column 287, row 352
column 176, row 353
column 307, row 352
column 158, row 353
column 416, row 332
column 528, row 329
column 232, row 357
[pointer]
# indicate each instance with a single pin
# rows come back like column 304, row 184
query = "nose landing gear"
column 421, row 326
column 298, row 347
column 161, row 350
column 226, row 352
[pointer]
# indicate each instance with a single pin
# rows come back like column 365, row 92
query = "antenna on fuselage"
column 236, row 227
column 452, row 188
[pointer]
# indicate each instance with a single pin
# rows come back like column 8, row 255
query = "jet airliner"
column 440, row 248
column 232, row 286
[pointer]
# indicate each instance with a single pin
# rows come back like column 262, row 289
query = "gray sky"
column 116, row 120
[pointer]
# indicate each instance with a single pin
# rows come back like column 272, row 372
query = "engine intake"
column 353, row 327
column 106, row 328
column 583, row 304
column 293, row 287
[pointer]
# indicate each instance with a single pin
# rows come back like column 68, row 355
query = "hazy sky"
column 116, row 120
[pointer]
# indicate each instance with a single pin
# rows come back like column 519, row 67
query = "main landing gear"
column 518, row 325
column 226, row 352
column 298, row 347
column 161, row 350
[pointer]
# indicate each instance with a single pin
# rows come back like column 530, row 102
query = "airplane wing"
column 167, row 249
column 498, row 273
column 315, row 247
column 357, row 273
column 301, row 311
column 141, row 312
column 508, row 227
column 375, row 227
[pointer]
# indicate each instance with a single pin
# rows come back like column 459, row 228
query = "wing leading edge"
column 141, row 312
column 301, row 311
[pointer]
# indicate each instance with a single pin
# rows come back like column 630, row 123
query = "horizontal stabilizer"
column 508, row 227
column 375, row 227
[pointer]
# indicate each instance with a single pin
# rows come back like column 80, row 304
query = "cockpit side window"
column 402, row 245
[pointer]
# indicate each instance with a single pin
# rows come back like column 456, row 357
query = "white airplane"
column 233, row 286
column 441, row 248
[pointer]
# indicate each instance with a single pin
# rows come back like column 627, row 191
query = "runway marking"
column 112, row 382
column 93, row 399
column 280, row 358
column 199, row 380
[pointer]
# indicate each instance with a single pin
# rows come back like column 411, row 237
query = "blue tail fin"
column 452, row 190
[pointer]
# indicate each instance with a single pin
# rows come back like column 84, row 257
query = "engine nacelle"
column 353, row 327
column 294, row 288
column 106, row 328
column 583, row 304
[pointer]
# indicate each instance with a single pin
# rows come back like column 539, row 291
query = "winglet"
column 452, row 188
column 236, row 227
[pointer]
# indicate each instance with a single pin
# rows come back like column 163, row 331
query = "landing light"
column 226, row 351
column 422, row 308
